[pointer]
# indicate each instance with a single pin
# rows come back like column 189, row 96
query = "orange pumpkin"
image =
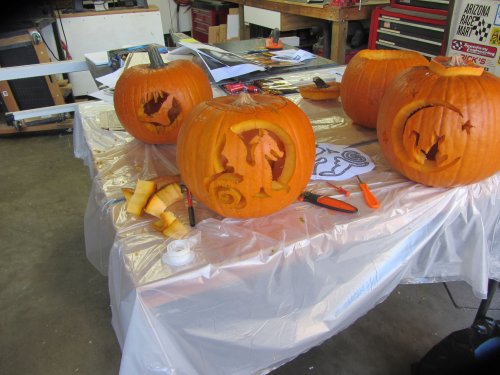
column 246, row 156
column 440, row 125
column 366, row 77
column 151, row 101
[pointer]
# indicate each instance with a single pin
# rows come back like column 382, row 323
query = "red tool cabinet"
column 404, row 28
column 426, row 6
column 206, row 13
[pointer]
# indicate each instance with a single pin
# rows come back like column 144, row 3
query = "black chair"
column 474, row 350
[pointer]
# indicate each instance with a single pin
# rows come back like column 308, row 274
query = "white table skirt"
column 261, row 291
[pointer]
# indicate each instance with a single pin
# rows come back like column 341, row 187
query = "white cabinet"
column 174, row 19
column 106, row 30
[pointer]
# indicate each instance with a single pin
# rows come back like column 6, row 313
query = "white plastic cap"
column 178, row 253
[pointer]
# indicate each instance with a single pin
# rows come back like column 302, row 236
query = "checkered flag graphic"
column 481, row 29
column 457, row 45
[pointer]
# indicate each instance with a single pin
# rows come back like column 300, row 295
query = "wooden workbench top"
column 151, row 8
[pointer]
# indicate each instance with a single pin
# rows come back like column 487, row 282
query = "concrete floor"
column 54, row 306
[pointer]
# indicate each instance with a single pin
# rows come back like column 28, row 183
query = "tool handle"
column 336, row 204
column 320, row 83
column 276, row 35
column 370, row 199
column 340, row 189
column 344, row 191
column 328, row 202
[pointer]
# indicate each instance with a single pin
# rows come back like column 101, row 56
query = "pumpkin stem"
column 457, row 60
column 155, row 59
column 245, row 99
column 320, row 84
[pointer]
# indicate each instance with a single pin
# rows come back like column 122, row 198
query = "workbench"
column 261, row 291
column 337, row 15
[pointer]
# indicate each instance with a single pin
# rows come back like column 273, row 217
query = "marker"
column 192, row 221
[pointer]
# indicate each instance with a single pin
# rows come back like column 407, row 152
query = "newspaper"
column 220, row 63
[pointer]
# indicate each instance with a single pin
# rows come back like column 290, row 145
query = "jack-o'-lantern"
column 152, row 100
column 440, row 125
column 246, row 155
column 366, row 77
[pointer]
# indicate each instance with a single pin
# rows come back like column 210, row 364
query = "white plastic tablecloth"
column 261, row 291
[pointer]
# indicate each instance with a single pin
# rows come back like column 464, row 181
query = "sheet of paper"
column 339, row 162
column 138, row 58
column 109, row 120
column 233, row 26
column 104, row 95
column 296, row 55
column 338, row 71
column 220, row 63
column 98, row 58
column 110, row 79
column 291, row 40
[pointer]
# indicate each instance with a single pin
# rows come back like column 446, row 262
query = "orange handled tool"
column 327, row 202
column 370, row 199
column 274, row 42
column 340, row 189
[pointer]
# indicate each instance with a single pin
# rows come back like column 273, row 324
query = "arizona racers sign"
column 475, row 33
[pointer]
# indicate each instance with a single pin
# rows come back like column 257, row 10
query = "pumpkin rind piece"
column 170, row 225
column 365, row 80
column 163, row 198
column 442, row 128
column 176, row 230
column 313, row 92
column 170, row 194
column 155, row 206
column 166, row 218
column 143, row 191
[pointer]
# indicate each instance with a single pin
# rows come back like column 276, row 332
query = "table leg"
column 485, row 303
column 338, row 41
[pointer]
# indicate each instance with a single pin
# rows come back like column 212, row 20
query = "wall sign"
column 475, row 33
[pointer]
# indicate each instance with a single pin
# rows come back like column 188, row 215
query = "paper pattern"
column 339, row 162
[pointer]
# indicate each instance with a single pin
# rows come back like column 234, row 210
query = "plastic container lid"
column 178, row 253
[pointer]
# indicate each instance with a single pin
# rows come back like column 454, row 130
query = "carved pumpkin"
column 440, row 125
column 151, row 101
column 246, row 156
column 366, row 77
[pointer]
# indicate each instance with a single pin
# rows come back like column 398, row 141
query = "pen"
column 192, row 221
column 251, row 52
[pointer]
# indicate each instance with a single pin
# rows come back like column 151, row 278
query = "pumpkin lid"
column 454, row 66
column 386, row 54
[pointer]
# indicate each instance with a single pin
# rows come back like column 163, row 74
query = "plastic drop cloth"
column 261, row 291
